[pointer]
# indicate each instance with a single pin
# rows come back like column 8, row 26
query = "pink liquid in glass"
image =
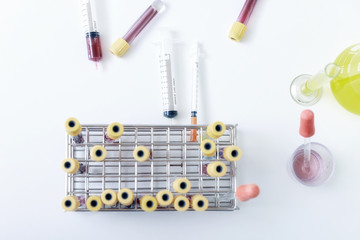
column 246, row 11
column 140, row 24
column 312, row 172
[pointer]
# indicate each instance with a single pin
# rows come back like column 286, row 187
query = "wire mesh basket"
column 172, row 156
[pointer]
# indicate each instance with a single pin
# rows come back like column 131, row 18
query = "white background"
column 45, row 77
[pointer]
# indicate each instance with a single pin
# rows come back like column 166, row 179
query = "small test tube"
column 91, row 32
column 73, row 128
column 121, row 45
column 168, row 90
column 239, row 26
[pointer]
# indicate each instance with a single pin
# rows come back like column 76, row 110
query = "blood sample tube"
column 113, row 132
column 91, row 33
column 73, row 128
column 239, row 27
column 121, row 45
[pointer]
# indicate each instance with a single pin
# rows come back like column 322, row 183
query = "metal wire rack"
column 173, row 155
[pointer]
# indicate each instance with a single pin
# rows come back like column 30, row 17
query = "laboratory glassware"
column 344, row 77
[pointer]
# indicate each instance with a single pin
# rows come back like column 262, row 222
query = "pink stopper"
column 247, row 192
column 307, row 126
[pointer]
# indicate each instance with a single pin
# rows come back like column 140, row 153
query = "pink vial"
column 121, row 45
column 239, row 27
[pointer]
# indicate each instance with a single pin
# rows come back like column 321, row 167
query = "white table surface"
column 45, row 77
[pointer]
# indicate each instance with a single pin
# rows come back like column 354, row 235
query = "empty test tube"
column 239, row 26
column 121, row 45
column 73, row 128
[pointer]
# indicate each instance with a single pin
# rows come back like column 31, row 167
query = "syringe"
column 121, row 45
column 167, row 78
column 195, row 89
column 91, row 32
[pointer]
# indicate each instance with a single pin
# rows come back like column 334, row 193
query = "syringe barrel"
column 143, row 21
column 246, row 11
column 88, row 12
column 91, row 32
column 168, row 90
column 195, row 78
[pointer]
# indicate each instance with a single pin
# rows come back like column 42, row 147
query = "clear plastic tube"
column 122, row 44
column 168, row 89
column 91, row 32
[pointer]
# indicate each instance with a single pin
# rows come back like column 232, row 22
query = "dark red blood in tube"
column 93, row 46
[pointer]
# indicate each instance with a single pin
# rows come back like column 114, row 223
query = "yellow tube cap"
column 216, row 169
column 181, row 185
column 232, row 153
column 126, row 196
column 98, row 153
column 94, row 203
column 164, row 198
column 70, row 203
column 237, row 31
column 216, row 129
column 119, row 47
column 148, row 203
column 181, row 203
column 208, row 148
column 109, row 197
column 141, row 154
column 72, row 126
column 115, row 130
column 70, row 165
column 199, row 203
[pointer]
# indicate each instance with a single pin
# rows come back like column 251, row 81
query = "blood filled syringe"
column 121, row 45
column 91, row 33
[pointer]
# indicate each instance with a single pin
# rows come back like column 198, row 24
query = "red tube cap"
column 307, row 126
column 247, row 192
